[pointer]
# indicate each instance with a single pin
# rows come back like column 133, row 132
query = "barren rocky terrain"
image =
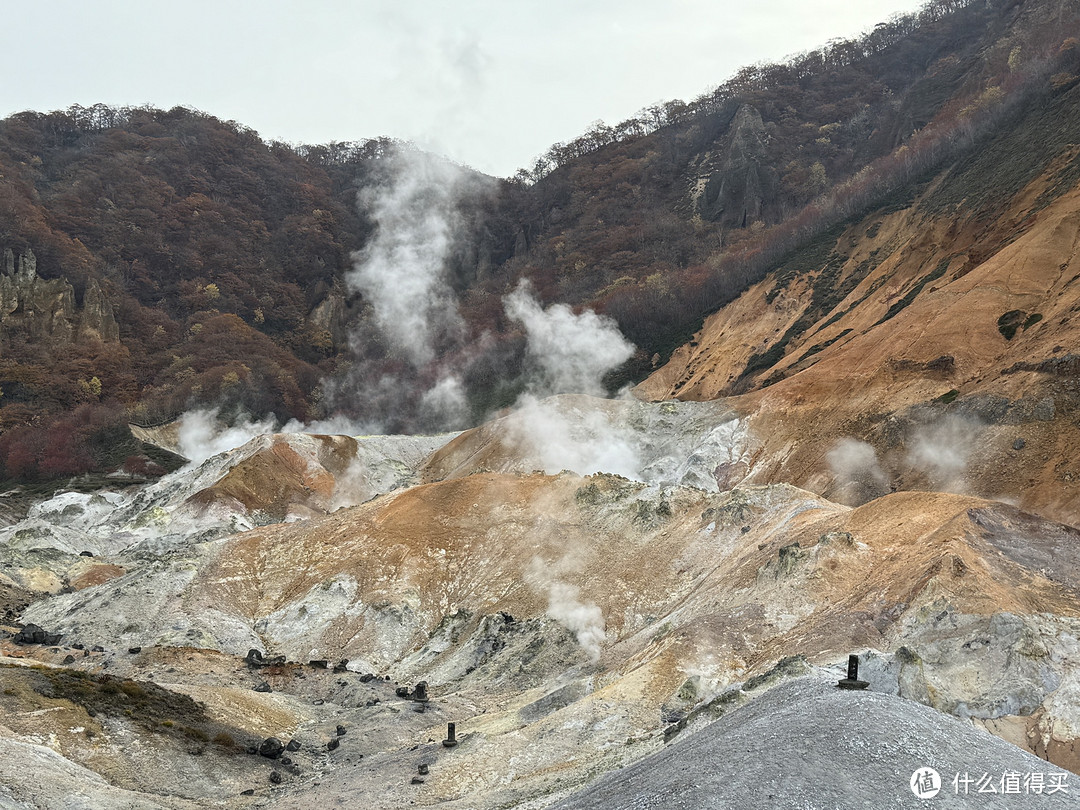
column 569, row 623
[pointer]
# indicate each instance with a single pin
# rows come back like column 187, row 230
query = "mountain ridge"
column 192, row 232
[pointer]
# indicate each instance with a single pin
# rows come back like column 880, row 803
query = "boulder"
column 32, row 634
column 271, row 748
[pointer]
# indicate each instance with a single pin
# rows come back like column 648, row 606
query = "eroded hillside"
column 933, row 346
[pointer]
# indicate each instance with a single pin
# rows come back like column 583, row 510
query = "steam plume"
column 942, row 450
column 402, row 270
column 202, row 435
column 584, row 619
column 571, row 352
column 555, row 436
column 858, row 474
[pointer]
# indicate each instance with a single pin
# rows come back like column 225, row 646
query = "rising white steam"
column 572, row 352
column 858, row 474
column 553, row 435
column 942, row 451
column 202, row 435
column 402, row 270
column 332, row 426
column 445, row 404
column 582, row 618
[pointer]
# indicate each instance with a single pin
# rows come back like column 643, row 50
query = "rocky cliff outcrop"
column 46, row 309
column 734, row 187
column 43, row 309
column 97, row 319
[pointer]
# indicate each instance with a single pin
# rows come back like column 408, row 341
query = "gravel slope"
column 807, row 744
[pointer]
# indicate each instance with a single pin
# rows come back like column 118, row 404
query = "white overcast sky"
column 489, row 84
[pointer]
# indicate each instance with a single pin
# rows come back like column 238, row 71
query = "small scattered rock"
column 1019, row 444
column 423, row 769
column 292, row 745
column 416, row 780
column 318, row 663
column 263, row 687
column 248, row 792
column 86, row 554
column 367, row 677
column 402, row 691
column 97, row 648
column 69, row 659
column 333, row 744
column 134, row 650
column 341, row 731
column 318, row 702
column 78, row 646
column 286, row 760
column 275, row 778
column 341, row 666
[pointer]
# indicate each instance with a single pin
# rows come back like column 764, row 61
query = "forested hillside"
column 159, row 260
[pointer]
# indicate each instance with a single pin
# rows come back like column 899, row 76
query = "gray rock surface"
column 807, row 744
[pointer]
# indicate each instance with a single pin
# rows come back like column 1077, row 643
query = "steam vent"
column 724, row 456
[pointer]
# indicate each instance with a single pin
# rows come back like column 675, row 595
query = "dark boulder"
column 271, row 748
column 32, row 634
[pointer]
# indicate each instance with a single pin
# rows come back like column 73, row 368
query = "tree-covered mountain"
column 157, row 260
